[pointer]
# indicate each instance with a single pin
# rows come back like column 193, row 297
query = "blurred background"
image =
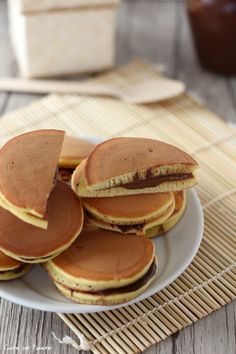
column 155, row 30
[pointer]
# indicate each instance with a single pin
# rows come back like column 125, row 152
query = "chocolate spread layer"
column 126, row 228
column 15, row 271
column 154, row 181
column 65, row 174
column 123, row 228
column 125, row 289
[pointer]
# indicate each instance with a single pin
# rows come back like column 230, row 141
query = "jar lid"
column 32, row 6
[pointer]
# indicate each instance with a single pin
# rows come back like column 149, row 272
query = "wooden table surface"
column 159, row 32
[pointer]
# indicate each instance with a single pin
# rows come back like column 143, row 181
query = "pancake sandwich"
column 130, row 166
column 134, row 214
column 11, row 268
column 28, row 171
column 30, row 244
column 180, row 206
column 104, row 268
column 74, row 151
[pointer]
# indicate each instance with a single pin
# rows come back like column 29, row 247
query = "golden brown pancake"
column 129, row 210
column 11, row 268
column 74, row 150
column 180, row 206
column 31, row 244
column 28, row 165
column 104, row 267
column 129, row 166
column 138, row 229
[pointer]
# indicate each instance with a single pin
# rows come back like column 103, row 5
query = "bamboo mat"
column 210, row 281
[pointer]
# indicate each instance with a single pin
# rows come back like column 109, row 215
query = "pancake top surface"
column 131, row 206
column 28, row 166
column 105, row 255
column 119, row 156
column 65, row 219
column 74, row 150
column 8, row 262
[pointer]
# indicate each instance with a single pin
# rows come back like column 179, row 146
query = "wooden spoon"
column 146, row 91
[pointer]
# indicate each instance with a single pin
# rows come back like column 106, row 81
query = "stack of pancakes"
column 130, row 189
column 40, row 216
column 135, row 185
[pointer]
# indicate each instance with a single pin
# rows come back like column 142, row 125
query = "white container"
column 62, row 37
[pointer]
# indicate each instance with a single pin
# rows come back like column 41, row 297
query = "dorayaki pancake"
column 31, row 244
column 129, row 166
column 138, row 229
column 11, row 268
column 28, row 165
column 104, row 267
column 74, row 150
column 129, row 210
column 180, row 206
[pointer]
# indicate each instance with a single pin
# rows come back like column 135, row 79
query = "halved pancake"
column 11, row 268
column 31, row 244
column 130, row 214
column 129, row 166
column 74, row 151
column 180, row 206
column 104, row 267
column 28, row 165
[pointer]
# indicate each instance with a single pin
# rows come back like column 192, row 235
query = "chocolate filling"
column 15, row 271
column 65, row 174
column 123, row 228
column 125, row 289
column 126, row 228
column 154, row 181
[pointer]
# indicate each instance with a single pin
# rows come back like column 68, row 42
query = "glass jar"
column 213, row 24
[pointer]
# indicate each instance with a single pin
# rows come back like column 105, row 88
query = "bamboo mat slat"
column 210, row 281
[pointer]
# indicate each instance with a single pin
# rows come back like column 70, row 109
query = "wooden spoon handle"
column 48, row 86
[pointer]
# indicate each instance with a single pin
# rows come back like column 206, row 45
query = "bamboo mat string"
column 84, row 344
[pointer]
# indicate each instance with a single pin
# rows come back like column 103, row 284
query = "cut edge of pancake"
column 142, row 175
column 164, row 187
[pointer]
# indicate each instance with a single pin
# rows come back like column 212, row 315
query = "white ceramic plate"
column 175, row 250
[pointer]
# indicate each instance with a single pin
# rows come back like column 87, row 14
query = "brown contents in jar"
column 213, row 25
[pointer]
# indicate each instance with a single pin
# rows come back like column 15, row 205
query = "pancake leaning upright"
column 130, row 166
column 28, row 168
